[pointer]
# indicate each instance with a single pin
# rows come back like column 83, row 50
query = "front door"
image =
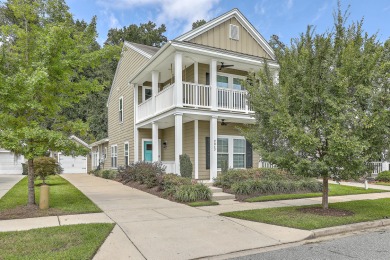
column 148, row 151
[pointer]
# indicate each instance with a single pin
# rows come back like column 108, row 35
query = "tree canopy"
column 44, row 54
column 198, row 23
column 328, row 112
column 145, row 33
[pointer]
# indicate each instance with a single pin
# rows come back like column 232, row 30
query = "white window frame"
column 114, row 154
column 231, row 139
column 230, row 79
column 120, row 109
column 230, row 32
column 143, row 92
column 128, row 152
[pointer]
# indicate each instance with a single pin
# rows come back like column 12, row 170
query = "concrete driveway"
column 155, row 228
column 7, row 181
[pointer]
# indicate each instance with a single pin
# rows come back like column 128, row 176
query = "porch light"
column 164, row 144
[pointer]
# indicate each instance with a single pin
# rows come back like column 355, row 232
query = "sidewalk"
column 160, row 229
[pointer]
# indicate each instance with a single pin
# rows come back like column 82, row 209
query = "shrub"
column 224, row 166
column 257, row 187
column 190, row 193
column 170, row 182
column 185, row 166
column 108, row 174
column 384, row 176
column 45, row 166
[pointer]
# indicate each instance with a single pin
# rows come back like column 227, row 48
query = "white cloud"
column 174, row 13
column 260, row 8
column 320, row 12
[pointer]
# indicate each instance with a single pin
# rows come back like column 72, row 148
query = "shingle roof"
column 148, row 49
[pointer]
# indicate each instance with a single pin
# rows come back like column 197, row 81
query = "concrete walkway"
column 149, row 227
column 7, row 181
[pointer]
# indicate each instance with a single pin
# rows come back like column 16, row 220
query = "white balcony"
column 195, row 96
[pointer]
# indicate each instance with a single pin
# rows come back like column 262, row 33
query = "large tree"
column 43, row 55
column 145, row 33
column 328, row 113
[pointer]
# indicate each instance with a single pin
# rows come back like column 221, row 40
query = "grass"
column 364, row 210
column 64, row 242
column 63, row 196
column 334, row 190
column 382, row 183
column 202, row 203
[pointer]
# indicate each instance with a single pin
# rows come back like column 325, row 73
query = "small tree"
column 185, row 166
column 45, row 166
column 328, row 114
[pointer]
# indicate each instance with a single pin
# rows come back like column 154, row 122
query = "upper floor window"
column 229, row 81
column 146, row 93
column 121, row 109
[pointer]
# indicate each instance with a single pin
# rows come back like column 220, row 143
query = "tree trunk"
column 31, row 189
column 325, row 190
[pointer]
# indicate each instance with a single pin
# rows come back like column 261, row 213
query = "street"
column 374, row 244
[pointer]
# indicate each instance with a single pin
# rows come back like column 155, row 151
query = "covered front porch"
column 206, row 138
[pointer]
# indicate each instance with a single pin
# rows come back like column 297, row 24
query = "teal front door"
column 148, row 151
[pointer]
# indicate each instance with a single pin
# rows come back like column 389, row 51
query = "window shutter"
column 207, row 78
column 249, row 155
column 207, row 153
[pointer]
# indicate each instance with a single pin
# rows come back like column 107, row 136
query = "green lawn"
column 334, row 190
column 382, row 183
column 64, row 242
column 202, row 203
column 364, row 210
column 63, row 196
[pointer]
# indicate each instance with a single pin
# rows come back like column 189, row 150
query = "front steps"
column 218, row 194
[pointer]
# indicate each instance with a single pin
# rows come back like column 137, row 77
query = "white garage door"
column 71, row 164
column 10, row 164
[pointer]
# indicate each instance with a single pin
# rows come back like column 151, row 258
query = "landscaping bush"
column 170, row 182
column 226, row 180
column 45, row 166
column 185, row 166
column 265, row 187
column 224, row 166
column 384, row 176
column 190, row 193
column 108, row 174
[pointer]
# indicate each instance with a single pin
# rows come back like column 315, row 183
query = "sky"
column 285, row 18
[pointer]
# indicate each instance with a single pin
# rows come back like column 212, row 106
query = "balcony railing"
column 196, row 96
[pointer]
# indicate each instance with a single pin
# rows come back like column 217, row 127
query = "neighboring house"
column 10, row 163
column 99, row 150
column 186, row 97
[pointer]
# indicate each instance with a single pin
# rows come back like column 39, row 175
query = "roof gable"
column 215, row 33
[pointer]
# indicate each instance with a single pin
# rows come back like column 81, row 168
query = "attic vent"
column 234, row 32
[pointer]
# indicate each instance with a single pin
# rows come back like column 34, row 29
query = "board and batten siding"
column 218, row 37
column 118, row 132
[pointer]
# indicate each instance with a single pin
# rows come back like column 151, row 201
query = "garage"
column 10, row 164
column 70, row 164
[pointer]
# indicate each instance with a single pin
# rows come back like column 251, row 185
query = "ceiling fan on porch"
column 225, row 66
column 223, row 122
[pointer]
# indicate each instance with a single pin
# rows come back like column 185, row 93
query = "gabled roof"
column 102, row 141
column 216, row 21
column 73, row 137
column 147, row 51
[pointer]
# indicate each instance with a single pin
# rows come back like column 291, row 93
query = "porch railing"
column 196, row 95
column 232, row 99
column 378, row 167
column 145, row 109
column 164, row 99
column 264, row 164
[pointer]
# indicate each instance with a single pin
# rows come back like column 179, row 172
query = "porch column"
column 155, row 147
column 154, row 89
column 136, row 159
column 213, row 84
column 178, row 140
column 196, row 72
column 179, row 79
column 213, row 147
column 135, row 99
column 196, row 148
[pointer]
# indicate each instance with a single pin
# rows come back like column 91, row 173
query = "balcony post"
column 155, row 75
column 155, row 147
column 136, row 159
column 179, row 79
column 178, row 140
column 213, row 147
column 135, row 103
column 196, row 81
column 213, row 84
column 196, row 150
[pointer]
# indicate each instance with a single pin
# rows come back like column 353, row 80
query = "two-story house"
column 186, row 97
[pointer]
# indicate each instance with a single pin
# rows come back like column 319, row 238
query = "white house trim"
column 150, row 140
column 147, row 55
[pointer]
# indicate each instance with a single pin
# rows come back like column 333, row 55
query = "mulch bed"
column 327, row 212
column 154, row 191
column 32, row 211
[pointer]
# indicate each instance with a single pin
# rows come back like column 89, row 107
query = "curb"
column 348, row 228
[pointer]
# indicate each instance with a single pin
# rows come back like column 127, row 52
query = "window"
column 95, row 161
column 234, row 32
column 114, row 156
column 222, row 81
column 121, row 109
column 126, row 154
column 233, row 150
column 229, row 81
column 146, row 93
column 237, row 84
column 222, row 151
